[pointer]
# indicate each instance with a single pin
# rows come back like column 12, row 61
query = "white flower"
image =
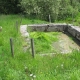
column 31, row 75
column 25, row 67
column 34, row 76
column 62, row 65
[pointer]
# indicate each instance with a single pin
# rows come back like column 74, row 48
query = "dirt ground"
column 65, row 44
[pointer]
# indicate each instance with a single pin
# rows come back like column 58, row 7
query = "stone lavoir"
column 64, row 45
column 56, row 27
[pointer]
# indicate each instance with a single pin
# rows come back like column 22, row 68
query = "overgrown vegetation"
column 23, row 66
column 43, row 41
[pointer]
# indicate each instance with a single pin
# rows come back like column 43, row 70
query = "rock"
column 57, row 27
column 23, row 30
column 37, row 27
column 26, row 34
column 78, row 35
column 40, row 28
column 48, row 27
column 52, row 28
column 72, row 30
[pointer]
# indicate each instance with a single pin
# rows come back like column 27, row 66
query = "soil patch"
column 66, row 44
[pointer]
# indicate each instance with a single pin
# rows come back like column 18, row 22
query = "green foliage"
column 43, row 40
column 15, row 75
column 57, row 9
column 41, row 9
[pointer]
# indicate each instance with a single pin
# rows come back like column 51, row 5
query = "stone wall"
column 73, row 30
column 48, row 27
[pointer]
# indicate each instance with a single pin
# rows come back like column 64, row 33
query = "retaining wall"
column 73, row 30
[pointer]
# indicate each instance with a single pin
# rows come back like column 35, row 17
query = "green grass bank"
column 23, row 66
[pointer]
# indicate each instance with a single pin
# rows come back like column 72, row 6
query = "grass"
column 43, row 41
column 23, row 66
column 59, row 67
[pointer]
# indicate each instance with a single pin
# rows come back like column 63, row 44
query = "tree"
column 29, row 7
column 58, row 9
column 10, row 6
column 40, row 8
column 68, row 8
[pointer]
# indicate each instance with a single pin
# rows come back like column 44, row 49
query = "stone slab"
column 23, row 30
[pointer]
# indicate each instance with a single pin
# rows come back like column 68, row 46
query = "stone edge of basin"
column 59, row 27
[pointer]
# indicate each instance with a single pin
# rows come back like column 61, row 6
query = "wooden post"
column 32, row 47
column 11, row 44
column 17, row 26
column 49, row 18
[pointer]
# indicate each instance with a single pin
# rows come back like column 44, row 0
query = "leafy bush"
column 57, row 9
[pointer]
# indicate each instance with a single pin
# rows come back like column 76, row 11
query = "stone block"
column 52, row 29
column 57, row 27
column 37, row 27
column 40, row 29
column 77, row 32
column 78, row 35
column 72, row 30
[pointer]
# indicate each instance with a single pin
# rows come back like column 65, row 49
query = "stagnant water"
column 65, row 44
